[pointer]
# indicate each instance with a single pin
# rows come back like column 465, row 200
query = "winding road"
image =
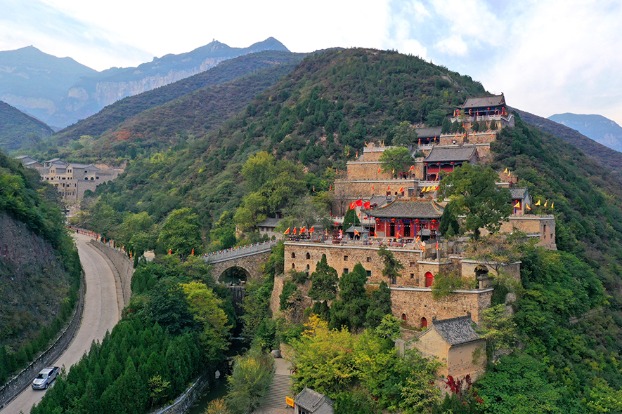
column 101, row 313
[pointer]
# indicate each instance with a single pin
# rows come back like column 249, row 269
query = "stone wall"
column 183, row 403
column 123, row 269
column 21, row 381
column 541, row 226
column 251, row 264
column 412, row 304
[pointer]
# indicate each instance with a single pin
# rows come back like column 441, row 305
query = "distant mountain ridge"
column 60, row 91
column 597, row 127
column 18, row 129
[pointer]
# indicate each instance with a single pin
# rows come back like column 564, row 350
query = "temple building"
column 407, row 219
column 446, row 159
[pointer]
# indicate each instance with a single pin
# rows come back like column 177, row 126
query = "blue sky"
column 547, row 56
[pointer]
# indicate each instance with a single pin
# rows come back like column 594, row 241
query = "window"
column 412, row 264
column 368, row 273
column 404, row 317
column 412, row 275
column 293, row 255
column 293, row 265
column 368, row 259
column 424, row 322
column 346, row 270
column 345, row 258
column 308, row 255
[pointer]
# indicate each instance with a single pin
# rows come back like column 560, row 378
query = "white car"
column 45, row 378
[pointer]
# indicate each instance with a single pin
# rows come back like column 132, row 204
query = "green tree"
column 258, row 170
column 392, row 266
column 207, row 310
column 404, row 134
column 137, row 232
column 323, row 281
column 379, row 305
column 249, row 382
column 180, row 233
column 472, row 192
column 396, row 159
column 350, row 308
column 350, row 219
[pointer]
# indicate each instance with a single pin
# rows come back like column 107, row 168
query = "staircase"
column 279, row 389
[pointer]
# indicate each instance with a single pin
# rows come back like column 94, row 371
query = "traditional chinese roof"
column 360, row 229
column 518, row 193
column 314, row 402
column 456, row 331
column 446, row 154
column 409, row 209
column 269, row 222
column 484, row 102
column 428, row 132
column 380, row 200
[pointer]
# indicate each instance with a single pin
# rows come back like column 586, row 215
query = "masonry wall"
column 467, row 359
column 531, row 224
column 412, row 304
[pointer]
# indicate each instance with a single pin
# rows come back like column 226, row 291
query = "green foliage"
column 180, row 233
column 350, row 308
column 350, row 219
column 335, row 362
column 446, row 283
column 323, row 281
column 404, row 134
column 18, row 130
column 289, row 287
column 472, row 192
column 249, row 382
column 392, row 266
column 396, row 160
column 379, row 305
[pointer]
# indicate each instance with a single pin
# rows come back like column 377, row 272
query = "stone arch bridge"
column 248, row 258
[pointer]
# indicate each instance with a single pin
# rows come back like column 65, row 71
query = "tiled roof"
column 428, row 132
column 484, row 102
column 441, row 154
column 518, row 193
column 269, row 222
column 409, row 209
column 456, row 331
column 314, row 402
column 380, row 200
column 360, row 229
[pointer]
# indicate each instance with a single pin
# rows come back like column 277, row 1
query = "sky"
column 546, row 56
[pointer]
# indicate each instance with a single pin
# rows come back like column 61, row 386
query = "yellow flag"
column 552, row 205
column 538, row 202
column 506, row 170
column 546, row 203
column 517, row 205
column 527, row 207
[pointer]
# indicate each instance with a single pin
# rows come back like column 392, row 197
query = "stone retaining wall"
column 22, row 380
column 185, row 401
column 123, row 269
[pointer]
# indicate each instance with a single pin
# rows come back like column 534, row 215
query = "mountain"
column 602, row 154
column 62, row 91
column 18, row 130
column 39, row 267
column 597, row 127
column 163, row 116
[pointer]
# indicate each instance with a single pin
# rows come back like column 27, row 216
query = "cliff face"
column 33, row 282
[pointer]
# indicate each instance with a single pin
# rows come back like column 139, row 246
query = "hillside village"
column 398, row 210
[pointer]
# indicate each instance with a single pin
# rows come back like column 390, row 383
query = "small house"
column 312, row 402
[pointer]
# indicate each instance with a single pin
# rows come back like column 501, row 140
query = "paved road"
column 101, row 313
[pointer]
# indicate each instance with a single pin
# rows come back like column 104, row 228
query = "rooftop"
column 428, row 132
column 484, row 102
column 442, row 154
column 409, row 209
column 314, row 402
column 456, row 331
column 518, row 193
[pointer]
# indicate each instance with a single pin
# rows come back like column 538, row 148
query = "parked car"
column 45, row 378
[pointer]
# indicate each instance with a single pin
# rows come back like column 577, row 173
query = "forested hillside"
column 18, row 130
column 39, row 267
column 157, row 118
column 280, row 153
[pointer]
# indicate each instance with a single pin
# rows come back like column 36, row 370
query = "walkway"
column 237, row 252
column 279, row 389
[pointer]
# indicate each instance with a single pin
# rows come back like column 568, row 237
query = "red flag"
column 412, row 168
column 367, row 205
column 302, row 229
column 295, row 231
column 192, row 253
column 286, row 231
column 372, row 187
column 379, row 170
column 359, row 202
column 352, row 205
column 388, row 188
column 401, row 190
column 356, row 232
column 170, row 251
column 312, row 229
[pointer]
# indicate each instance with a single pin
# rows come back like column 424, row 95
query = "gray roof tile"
column 442, row 154
column 484, row 102
column 518, row 193
column 456, row 331
column 428, row 132
column 314, row 402
column 409, row 209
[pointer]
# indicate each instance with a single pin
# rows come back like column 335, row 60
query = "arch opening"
column 234, row 276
